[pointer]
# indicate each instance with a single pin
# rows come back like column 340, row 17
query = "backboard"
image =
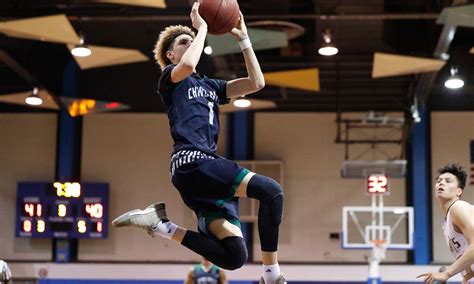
column 365, row 226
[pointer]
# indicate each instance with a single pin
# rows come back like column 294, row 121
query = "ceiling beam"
column 17, row 68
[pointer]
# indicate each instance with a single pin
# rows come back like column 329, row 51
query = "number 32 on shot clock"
column 377, row 183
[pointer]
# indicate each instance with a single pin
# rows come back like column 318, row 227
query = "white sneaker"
column 280, row 280
column 147, row 218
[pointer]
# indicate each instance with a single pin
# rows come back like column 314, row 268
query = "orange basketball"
column 220, row 15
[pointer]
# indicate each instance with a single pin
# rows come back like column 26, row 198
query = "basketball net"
column 378, row 249
column 378, row 254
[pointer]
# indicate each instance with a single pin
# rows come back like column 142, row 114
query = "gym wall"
column 314, row 190
column 131, row 152
column 27, row 153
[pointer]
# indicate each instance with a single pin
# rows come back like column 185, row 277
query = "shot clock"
column 68, row 210
column 377, row 184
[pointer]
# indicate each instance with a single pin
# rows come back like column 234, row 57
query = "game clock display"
column 68, row 210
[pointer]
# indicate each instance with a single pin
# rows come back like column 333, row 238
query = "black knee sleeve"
column 237, row 253
column 229, row 253
column 270, row 195
column 276, row 207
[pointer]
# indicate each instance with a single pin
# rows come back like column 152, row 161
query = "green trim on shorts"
column 211, row 216
column 233, row 189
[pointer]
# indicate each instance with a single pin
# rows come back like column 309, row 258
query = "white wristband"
column 245, row 43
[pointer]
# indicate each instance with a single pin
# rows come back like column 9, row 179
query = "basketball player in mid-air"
column 208, row 183
column 458, row 225
column 205, row 273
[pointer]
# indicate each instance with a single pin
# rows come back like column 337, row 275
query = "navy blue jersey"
column 210, row 277
column 192, row 106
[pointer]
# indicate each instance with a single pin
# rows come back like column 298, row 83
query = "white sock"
column 166, row 229
column 271, row 273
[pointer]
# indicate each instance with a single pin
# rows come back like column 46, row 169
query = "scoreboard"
column 69, row 210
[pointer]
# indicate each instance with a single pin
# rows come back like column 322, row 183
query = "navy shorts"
column 207, row 186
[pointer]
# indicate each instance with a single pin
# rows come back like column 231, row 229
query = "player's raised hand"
column 196, row 18
column 240, row 31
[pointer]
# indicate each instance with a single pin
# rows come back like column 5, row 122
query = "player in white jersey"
column 458, row 225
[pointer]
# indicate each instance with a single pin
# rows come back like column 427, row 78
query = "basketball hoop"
column 378, row 251
column 375, row 227
column 378, row 243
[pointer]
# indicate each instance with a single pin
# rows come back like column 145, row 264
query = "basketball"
column 220, row 15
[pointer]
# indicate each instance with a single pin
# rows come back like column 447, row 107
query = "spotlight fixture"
column 242, row 102
column 327, row 48
column 454, row 81
column 444, row 56
column 415, row 114
column 33, row 99
column 208, row 50
column 81, row 49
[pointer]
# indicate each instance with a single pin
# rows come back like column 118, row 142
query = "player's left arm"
column 223, row 279
column 255, row 80
column 462, row 218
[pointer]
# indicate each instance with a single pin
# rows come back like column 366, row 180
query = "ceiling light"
column 327, row 48
column 208, row 50
column 33, row 99
column 416, row 117
column 81, row 50
column 242, row 102
column 454, row 81
column 444, row 56
column 415, row 113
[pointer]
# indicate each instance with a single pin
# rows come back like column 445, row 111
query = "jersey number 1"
column 211, row 113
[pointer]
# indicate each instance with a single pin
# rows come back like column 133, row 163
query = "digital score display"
column 377, row 184
column 68, row 210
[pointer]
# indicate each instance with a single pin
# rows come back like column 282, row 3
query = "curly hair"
column 457, row 171
column 165, row 40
